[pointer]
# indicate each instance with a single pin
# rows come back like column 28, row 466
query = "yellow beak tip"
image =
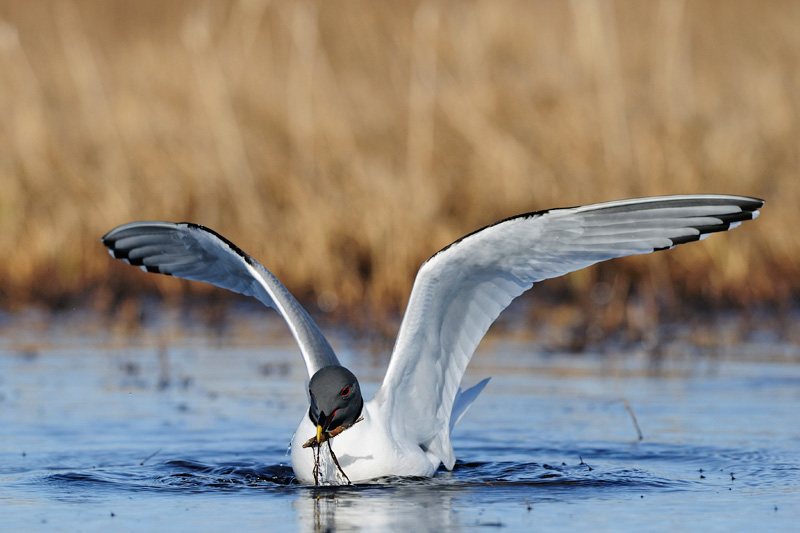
column 319, row 433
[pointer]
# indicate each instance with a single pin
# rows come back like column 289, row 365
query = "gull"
column 404, row 430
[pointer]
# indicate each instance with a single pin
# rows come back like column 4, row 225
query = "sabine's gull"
column 404, row 430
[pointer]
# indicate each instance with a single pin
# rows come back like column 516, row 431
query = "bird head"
column 335, row 398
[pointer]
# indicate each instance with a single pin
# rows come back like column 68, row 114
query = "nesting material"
column 316, row 443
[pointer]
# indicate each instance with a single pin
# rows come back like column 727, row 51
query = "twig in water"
column 150, row 456
column 316, row 466
column 527, row 504
column 585, row 464
column 633, row 417
column 336, row 462
column 316, row 444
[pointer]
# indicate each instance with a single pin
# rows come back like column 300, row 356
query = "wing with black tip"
column 460, row 291
column 193, row 252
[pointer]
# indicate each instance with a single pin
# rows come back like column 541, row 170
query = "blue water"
column 168, row 427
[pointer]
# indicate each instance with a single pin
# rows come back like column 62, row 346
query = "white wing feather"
column 462, row 289
column 193, row 252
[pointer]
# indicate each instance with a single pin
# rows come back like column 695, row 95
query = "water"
column 186, row 430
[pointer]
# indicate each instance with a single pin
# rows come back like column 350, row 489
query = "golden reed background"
column 342, row 143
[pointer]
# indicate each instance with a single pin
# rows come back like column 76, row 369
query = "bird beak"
column 324, row 422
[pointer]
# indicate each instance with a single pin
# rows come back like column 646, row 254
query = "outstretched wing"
column 460, row 291
column 193, row 252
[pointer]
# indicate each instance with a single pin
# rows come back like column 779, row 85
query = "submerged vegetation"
column 343, row 143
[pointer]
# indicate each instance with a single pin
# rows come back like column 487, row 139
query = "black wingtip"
column 749, row 210
column 747, row 204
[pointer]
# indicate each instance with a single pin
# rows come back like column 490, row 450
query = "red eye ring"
column 345, row 392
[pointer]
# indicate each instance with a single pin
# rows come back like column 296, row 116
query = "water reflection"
column 399, row 508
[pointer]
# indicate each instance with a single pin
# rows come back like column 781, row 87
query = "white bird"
column 404, row 430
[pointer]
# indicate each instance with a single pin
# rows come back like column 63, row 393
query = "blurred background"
column 343, row 143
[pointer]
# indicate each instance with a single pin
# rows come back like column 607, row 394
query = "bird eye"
column 345, row 392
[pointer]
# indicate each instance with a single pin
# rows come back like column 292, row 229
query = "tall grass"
column 342, row 143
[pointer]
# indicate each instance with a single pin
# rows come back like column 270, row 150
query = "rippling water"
column 184, row 431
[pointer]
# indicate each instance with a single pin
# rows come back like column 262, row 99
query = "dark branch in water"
column 336, row 462
column 150, row 456
column 317, row 445
column 633, row 417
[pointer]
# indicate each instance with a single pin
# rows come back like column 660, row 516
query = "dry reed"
column 342, row 143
